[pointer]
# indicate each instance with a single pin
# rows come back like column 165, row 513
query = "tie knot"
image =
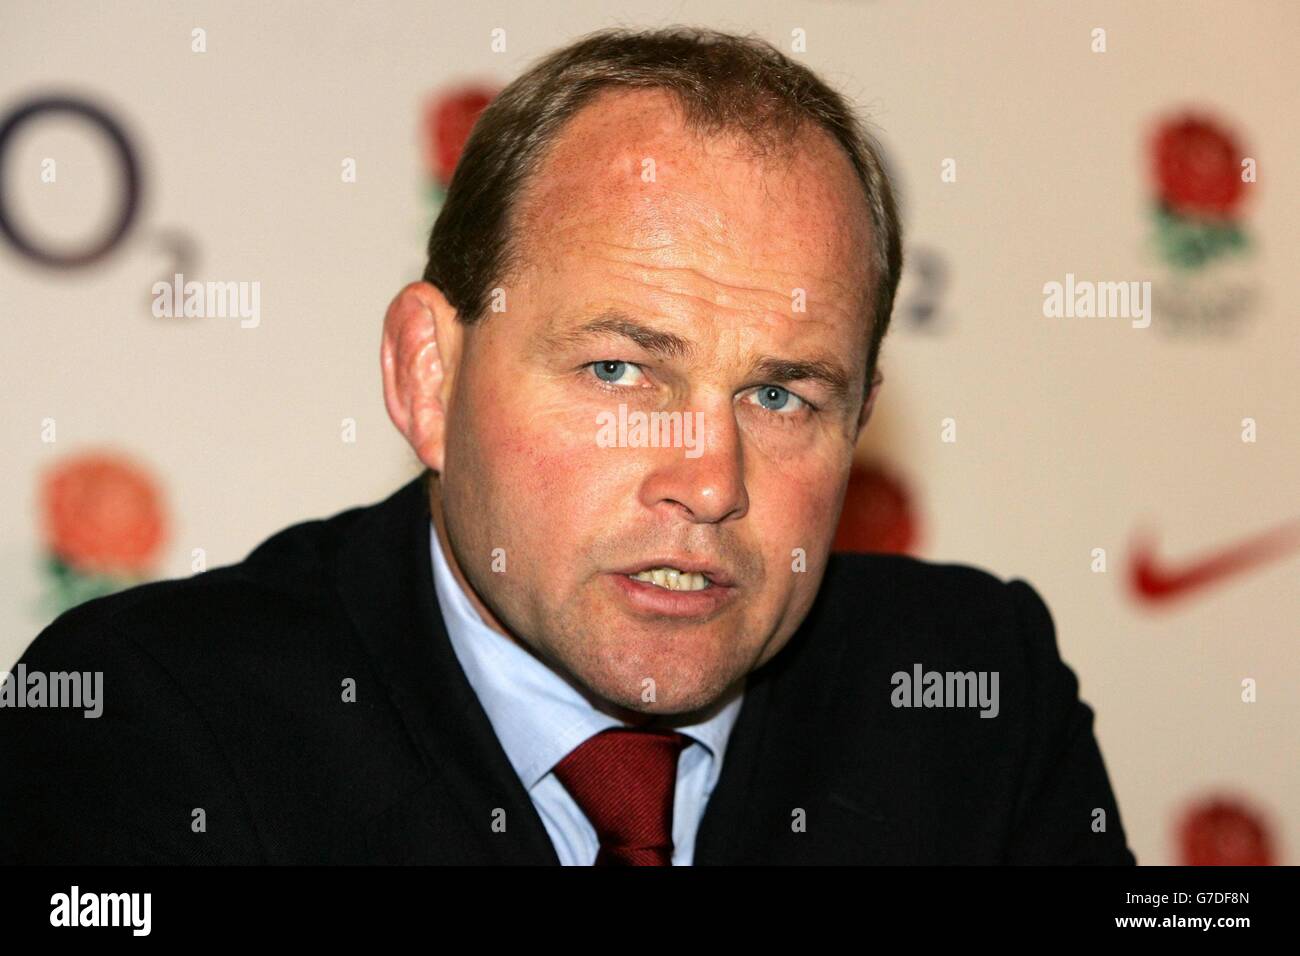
column 623, row 779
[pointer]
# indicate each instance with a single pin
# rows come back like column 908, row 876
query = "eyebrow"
column 613, row 322
column 831, row 375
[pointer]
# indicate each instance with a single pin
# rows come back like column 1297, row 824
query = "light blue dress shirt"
column 540, row 717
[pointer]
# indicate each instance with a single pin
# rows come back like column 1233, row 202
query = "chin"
column 677, row 690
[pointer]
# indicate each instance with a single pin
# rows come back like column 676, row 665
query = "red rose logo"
column 102, row 515
column 1197, row 167
column 878, row 514
column 1201, row 177
column 449, row 117
column 1223, row 832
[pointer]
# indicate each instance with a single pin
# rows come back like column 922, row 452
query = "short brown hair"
column 723, row 83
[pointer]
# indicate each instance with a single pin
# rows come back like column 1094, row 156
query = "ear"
column 419, row 357
column 877, row 380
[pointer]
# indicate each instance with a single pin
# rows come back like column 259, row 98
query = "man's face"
column 663, row 273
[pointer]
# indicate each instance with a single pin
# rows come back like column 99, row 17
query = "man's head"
column 670, row 222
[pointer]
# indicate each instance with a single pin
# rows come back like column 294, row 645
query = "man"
column 605, row 625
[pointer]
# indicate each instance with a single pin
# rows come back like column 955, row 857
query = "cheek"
column 548, row 475
column 794, row 504
column 795, row 526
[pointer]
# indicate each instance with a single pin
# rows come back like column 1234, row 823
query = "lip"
column 651, row 599
column 716, row 574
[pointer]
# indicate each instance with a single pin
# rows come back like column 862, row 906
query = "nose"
column 707, row 482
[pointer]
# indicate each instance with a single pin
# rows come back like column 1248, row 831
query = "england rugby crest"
column 1203, row 179
column 104, row 525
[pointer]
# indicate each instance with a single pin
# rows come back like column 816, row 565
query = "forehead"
column 628, row 184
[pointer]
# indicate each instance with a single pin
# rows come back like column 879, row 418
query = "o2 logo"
column 180, row 246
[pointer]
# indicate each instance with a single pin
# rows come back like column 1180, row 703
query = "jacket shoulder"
column 888, row 613
column 1016, row 762
column 933, row 604
column 285, row 580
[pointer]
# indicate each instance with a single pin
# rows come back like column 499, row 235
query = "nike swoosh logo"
column 1154, row 583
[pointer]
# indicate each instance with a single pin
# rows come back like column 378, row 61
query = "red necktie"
column 624, row 779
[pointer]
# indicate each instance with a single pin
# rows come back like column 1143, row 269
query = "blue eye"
column 611, row 371
column 777, row 399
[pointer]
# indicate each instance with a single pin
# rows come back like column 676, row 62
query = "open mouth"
column 658, row 588
column 673, row 579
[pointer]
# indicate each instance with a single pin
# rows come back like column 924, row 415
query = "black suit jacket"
column 223, row 702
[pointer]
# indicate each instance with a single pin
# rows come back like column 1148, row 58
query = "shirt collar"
column 538, row 715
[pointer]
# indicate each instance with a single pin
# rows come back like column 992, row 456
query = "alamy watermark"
column 75, row 689
column 1084, row 299
column 130, row 910
column 222, row 300
column 922, row 688
column 651, row 430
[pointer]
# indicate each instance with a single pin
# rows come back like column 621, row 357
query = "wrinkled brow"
column 829, row 374
column 613, row 322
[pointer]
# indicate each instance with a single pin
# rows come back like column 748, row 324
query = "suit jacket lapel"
column 812, row 773
column 469, row 805
column 721, row 837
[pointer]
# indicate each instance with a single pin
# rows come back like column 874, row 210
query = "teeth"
column 672, row 579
